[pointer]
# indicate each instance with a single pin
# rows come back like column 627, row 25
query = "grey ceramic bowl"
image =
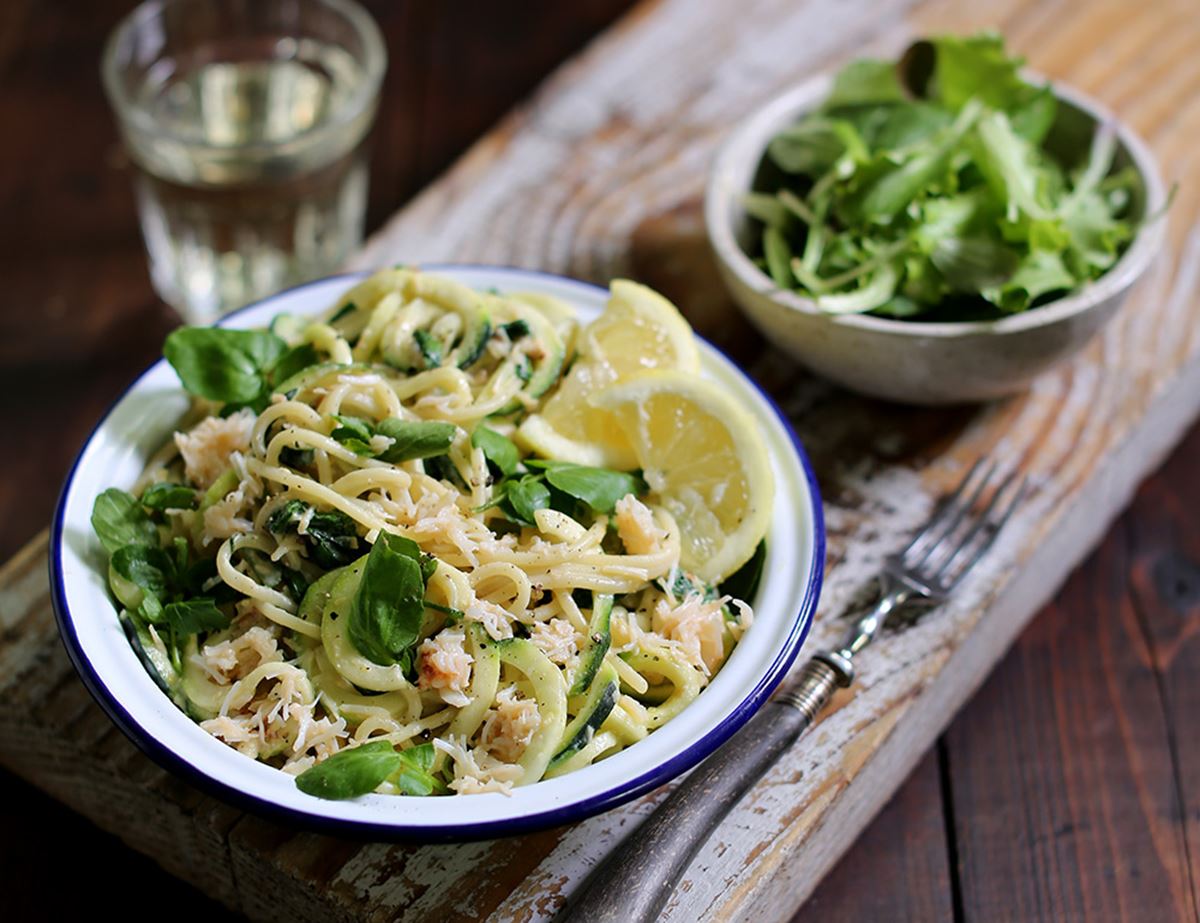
column 909, row 361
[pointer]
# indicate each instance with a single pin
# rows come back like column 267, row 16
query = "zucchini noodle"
column 542, row 643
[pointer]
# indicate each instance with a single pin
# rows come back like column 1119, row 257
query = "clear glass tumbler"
column 248, row 122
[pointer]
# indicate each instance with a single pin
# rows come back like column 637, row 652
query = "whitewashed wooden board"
column 600, row 175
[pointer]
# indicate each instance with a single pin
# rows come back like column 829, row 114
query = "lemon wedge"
column 705, row 461
column 639, row 330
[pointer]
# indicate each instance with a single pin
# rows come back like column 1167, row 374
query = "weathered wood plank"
column 899, row 869
column 599, row 175
column 1071, row 818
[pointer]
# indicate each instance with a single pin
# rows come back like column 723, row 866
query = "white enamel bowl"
column 145, row 416
column 911, row 361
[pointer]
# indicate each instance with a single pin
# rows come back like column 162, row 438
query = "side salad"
column 923, row 189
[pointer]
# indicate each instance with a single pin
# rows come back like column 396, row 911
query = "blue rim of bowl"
column 572, row 813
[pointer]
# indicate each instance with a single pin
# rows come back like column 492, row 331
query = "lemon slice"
column 639, row 330
column 704, row 458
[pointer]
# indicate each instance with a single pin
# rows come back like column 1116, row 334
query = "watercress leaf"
column 1039, row 273
column 166, row 496
column 223, row 365
column 863, row 82
column 147, row 566
column 286, row 515
column 969, row 264
column 499, row 450
column 778, row 255
column 388, row 606
column 414, row 439
column 332, row 539
column 119, row 520
column 599, row 488
column 977, row 67
column 415, row 776
column 430, row 348
column 352, row 772
column 294, row 581
column 355, row 434
column 294, row 361
column 809, row 147
column 151, row 610
column 194, row 616
column 524, row 497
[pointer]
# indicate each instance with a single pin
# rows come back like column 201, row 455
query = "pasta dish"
column 439, row 540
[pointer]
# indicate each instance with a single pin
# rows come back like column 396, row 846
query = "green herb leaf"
column 223, row 365
column 194, row 616
column 415, row 776
column 864, row 82
column 332, row 539
column 388, row 607
column 120, row 520
column 353, row 772
column 499, row 450
column 147, row 566
column 166, row 496
column 524, row 497
column 355, row 434
column 414, row 439
column 599, row 488
column 293, row 362
column 516, row 329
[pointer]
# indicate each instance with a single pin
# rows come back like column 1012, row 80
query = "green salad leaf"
column 923, row 190
column 353, row 772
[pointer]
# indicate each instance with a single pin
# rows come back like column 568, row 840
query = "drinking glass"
column 247, row 121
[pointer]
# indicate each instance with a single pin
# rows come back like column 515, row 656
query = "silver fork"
column 636, row 881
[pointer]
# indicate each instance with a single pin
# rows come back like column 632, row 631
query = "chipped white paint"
column 618, row 137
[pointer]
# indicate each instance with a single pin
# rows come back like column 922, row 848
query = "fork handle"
column 636, row 881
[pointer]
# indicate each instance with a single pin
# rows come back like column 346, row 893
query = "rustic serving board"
column 601, row 175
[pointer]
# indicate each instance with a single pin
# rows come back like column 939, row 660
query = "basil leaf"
column 167, row 496
column 388, row 606
column 414, row 439
column 599, row 488
column 146, row 566
column 498, row 450
column 524, row 497
column 416, row 772
column 430, row 348
column 120, row 520
column 194, row 616
column 351, row 773
column 223, row 365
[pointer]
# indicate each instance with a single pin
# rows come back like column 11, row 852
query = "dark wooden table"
column 1068, row 789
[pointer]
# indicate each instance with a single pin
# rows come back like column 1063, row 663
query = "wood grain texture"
column 599, row 175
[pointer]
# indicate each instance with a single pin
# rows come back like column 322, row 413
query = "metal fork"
column 636, row 881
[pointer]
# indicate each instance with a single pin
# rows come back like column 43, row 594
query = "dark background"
column 1068, row 788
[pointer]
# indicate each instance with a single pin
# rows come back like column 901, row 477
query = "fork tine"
column 978, row 523
column 942, row 510
column 993, row 529
column 944, row 530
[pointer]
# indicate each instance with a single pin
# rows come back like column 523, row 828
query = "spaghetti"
column 342, row 547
